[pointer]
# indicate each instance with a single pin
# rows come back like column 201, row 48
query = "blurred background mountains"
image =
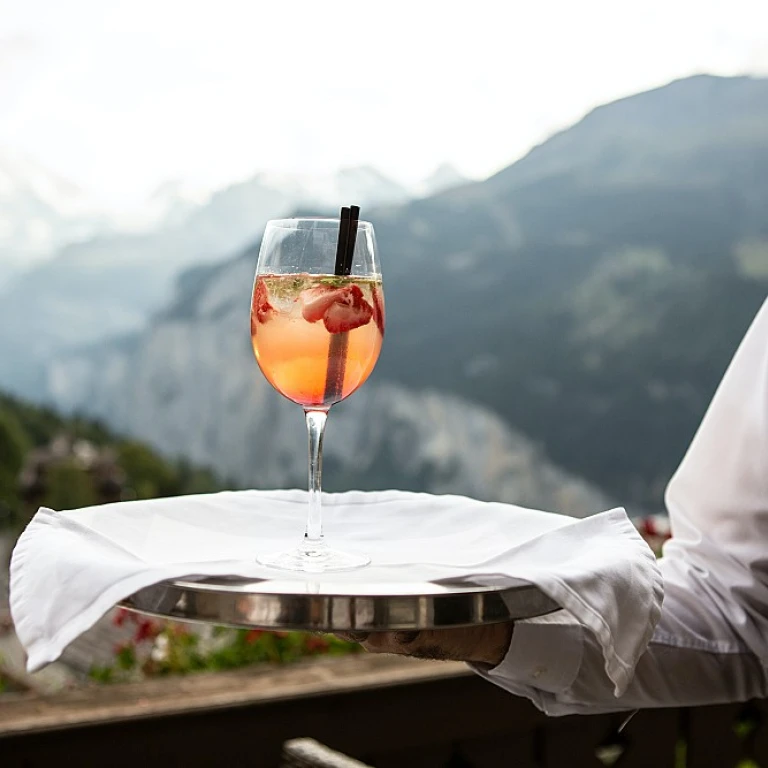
column 554, row 332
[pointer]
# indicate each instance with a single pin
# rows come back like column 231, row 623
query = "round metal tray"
column 296, row 604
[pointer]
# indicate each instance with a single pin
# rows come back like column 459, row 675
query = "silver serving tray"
column 328, row 607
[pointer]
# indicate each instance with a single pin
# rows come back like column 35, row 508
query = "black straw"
column 341, row 244
column 354, row 215
column 337, row 351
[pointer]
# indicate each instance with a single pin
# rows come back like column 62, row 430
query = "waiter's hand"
column 487, row 644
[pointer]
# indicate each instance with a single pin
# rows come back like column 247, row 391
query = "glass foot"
column 314, row 560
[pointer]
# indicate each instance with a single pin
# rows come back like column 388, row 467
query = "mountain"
column 39, row 211
column 363, row 183
column 590, row 295
column 111, row 284
column 170, row 205
column 594, row 292
column 444, row 177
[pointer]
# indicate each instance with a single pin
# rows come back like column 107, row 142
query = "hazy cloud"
column 124, row 94
column 14, row 49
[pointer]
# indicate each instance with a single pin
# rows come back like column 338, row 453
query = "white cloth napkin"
column 69, row 568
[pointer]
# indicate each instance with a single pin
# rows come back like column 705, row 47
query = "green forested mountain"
column 72, row 462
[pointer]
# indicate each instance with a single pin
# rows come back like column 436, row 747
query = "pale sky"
column 121, row 95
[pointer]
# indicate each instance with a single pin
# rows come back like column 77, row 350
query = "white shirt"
column 711, row 644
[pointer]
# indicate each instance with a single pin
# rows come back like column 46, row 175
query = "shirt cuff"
column 545, row 654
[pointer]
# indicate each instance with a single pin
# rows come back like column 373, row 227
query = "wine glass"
column 317, row 325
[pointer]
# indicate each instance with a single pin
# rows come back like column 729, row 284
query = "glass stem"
column 313, row 536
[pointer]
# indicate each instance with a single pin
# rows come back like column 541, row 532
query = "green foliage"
column 150, row 476
column 193, row 479
column 745, row 727
column 681, row 754
column 68, row 485
column 14, row 444
column 160, row 648
column 101, row 674
column 125, row 658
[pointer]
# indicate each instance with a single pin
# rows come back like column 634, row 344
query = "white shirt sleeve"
column 711, row 644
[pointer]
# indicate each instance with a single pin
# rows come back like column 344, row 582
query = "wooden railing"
column 386, row 712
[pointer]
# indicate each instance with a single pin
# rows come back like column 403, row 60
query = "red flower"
column 253, row 635
column 656, row 527
column 145, row 631
column 120, row 616
column 316, row 644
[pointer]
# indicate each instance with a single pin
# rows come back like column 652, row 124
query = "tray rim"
column 470, row 605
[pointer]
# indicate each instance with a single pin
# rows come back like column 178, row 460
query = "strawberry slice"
column 378, row 309
column 349, row 311
column 341, row 309
column 261, row 309
column 316, row 301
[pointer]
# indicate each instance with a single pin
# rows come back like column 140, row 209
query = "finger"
column 423, row 645
column 486, row 644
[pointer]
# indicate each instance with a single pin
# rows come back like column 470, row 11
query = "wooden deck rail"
column 385, row 711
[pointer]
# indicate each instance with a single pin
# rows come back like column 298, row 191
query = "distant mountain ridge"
column 663, row 127
column 590, row 295
column 107, row 285
column 594, row 292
